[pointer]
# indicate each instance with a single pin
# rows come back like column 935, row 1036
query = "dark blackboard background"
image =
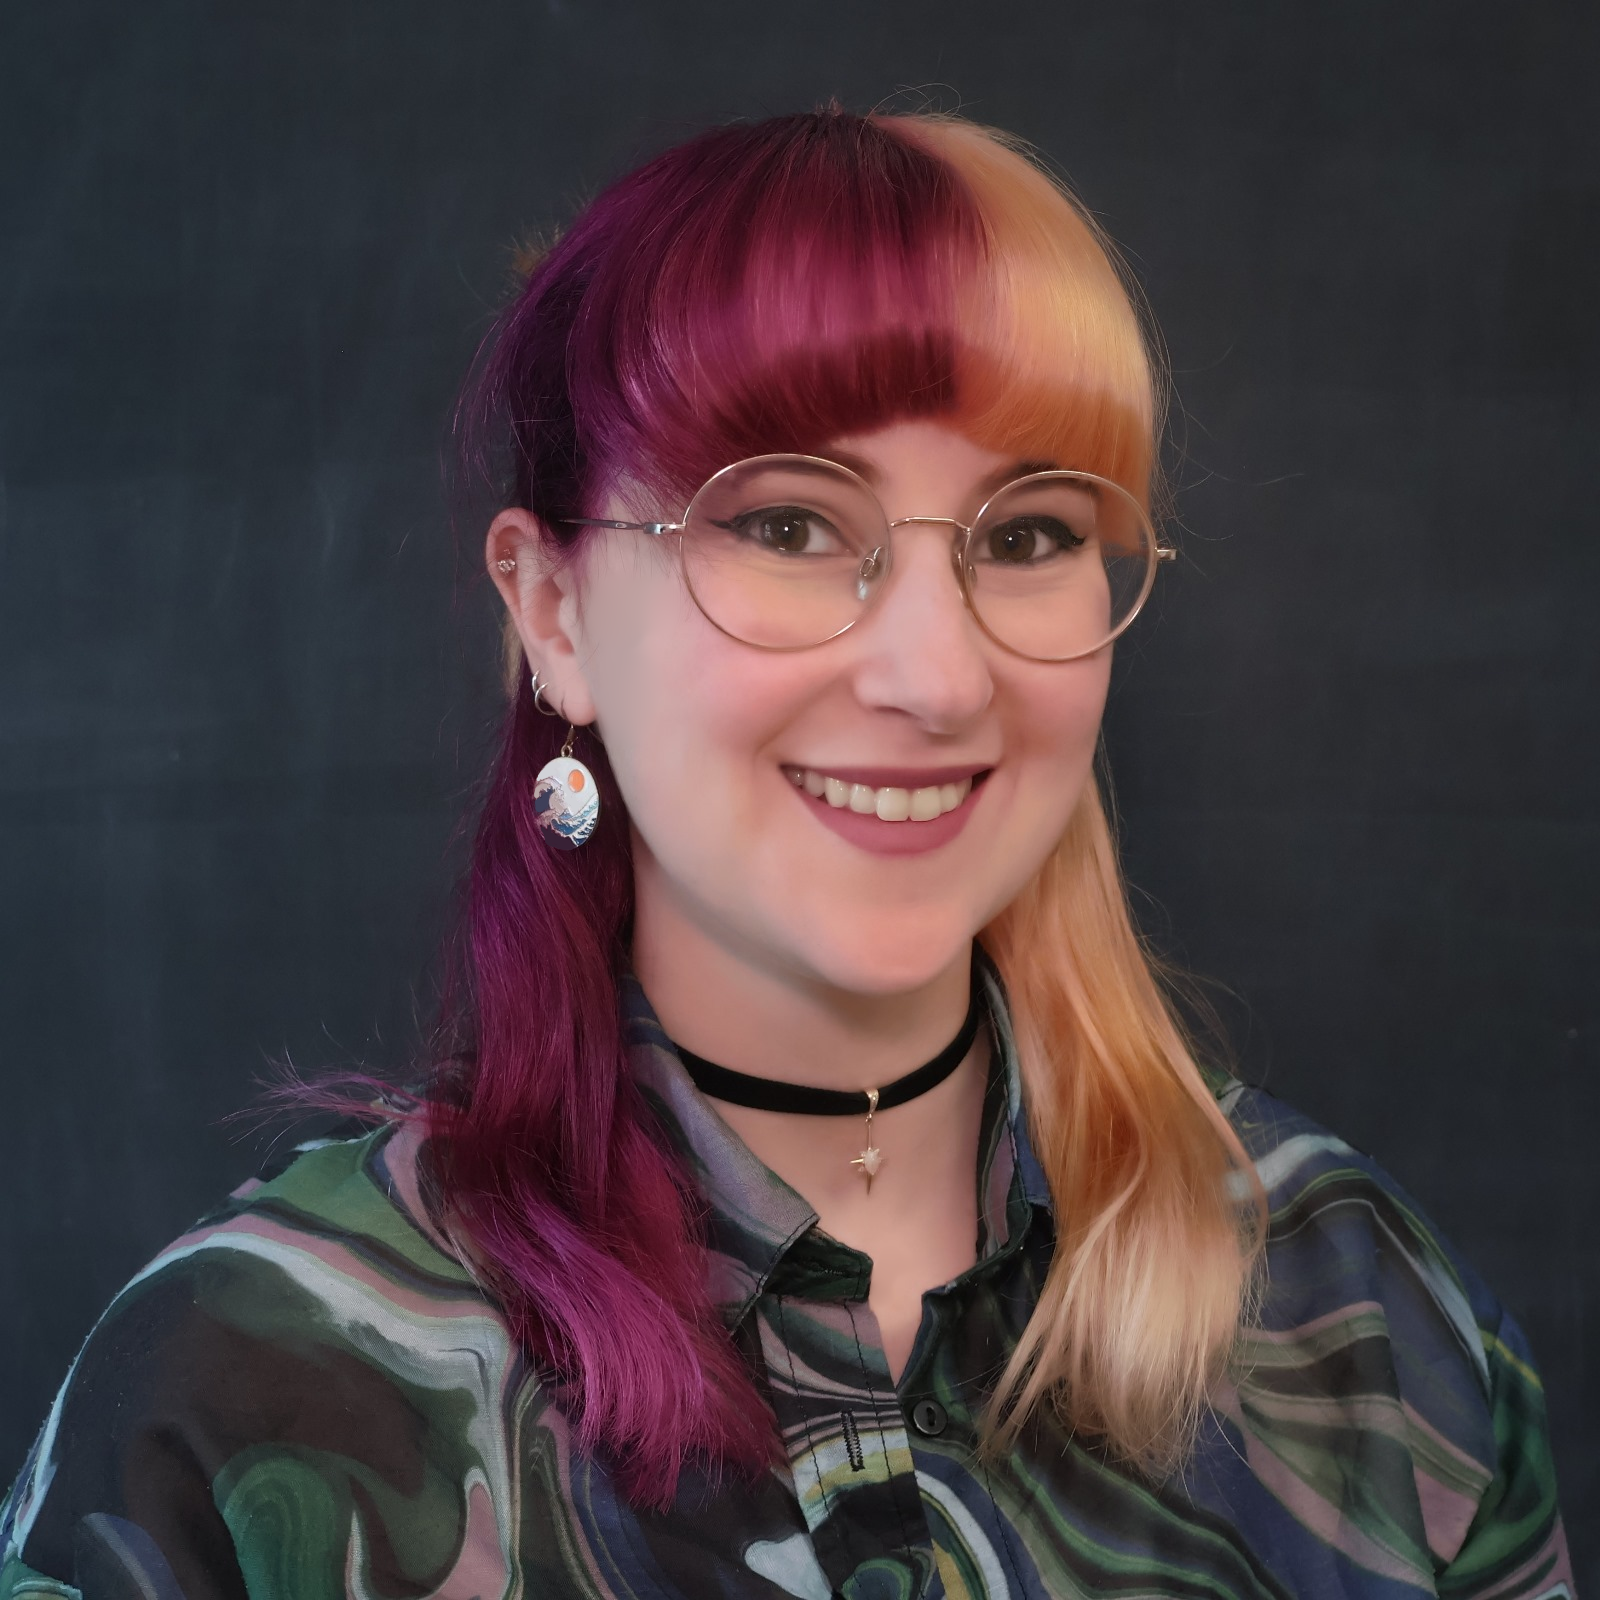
column 245, row 252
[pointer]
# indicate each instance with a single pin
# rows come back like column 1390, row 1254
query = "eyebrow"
column 1017, row 469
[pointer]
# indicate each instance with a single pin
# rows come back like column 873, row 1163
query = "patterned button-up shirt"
column 308, row 1395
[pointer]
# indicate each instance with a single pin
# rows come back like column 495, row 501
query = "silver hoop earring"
column 538, row 704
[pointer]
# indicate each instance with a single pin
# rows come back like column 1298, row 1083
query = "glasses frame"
column 960, row 549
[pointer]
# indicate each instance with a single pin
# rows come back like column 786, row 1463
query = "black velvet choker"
column 769, row 1094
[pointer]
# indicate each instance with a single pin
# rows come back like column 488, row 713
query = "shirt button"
column 928, row 1417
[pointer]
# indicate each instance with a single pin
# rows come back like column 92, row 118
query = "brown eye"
column 786, row 530
column 1027, row 541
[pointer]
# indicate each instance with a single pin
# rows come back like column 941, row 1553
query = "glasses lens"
column 1059, row 563
column 783, row 551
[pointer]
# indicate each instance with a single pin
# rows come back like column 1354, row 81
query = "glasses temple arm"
column 654, row 529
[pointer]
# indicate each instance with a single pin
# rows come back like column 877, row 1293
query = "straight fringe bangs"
column 772, row 288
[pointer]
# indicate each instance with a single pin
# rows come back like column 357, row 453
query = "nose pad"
column 963, row 570
column 871, row 572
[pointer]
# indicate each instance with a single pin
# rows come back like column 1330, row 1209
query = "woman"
column 815, row 1194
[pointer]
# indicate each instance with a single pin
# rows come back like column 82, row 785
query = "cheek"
column 1060, row 728
column 1065, row 707
column 629, row 656
column 682, row 709
column 1050, row 744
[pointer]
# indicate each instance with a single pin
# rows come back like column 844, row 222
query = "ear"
column 541, row 599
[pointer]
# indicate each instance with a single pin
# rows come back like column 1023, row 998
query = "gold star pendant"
column 871, row 1157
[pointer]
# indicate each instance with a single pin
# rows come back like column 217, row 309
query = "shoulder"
column 1342, row 1233
column 1381, row 1383
column 317, row 1315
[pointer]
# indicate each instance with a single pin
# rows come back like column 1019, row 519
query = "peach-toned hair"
column 1155, row 1252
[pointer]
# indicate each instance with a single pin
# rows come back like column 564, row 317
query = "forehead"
column 930, row 452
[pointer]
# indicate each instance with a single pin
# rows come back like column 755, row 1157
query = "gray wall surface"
column 245, row 686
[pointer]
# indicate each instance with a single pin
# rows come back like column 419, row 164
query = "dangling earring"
column 566, row 799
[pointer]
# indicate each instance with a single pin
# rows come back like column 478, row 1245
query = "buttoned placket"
column 861, row 1448
column 842, row 1424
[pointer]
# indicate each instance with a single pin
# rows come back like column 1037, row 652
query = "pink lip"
column 873, row 834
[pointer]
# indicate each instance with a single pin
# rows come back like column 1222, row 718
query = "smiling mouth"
column 889, row 803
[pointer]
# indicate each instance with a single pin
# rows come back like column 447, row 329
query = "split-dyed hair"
column 771, row 288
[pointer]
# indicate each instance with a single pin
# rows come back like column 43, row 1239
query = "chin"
column 887, row 956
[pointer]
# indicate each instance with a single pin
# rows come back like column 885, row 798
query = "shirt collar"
column 754, row 1219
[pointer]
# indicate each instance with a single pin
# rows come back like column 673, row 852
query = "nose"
column 921, row 650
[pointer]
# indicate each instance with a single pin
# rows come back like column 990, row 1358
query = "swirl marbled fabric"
column 308, row 1395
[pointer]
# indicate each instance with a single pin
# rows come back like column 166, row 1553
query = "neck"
column 726, row 1003
column 716, row 997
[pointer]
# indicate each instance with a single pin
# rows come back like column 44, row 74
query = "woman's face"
column 717, row 745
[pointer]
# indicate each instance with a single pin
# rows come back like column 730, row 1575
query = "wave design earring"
column 566, row 799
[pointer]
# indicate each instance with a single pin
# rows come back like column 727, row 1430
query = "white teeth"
column 894, row 805
column 889, row 804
